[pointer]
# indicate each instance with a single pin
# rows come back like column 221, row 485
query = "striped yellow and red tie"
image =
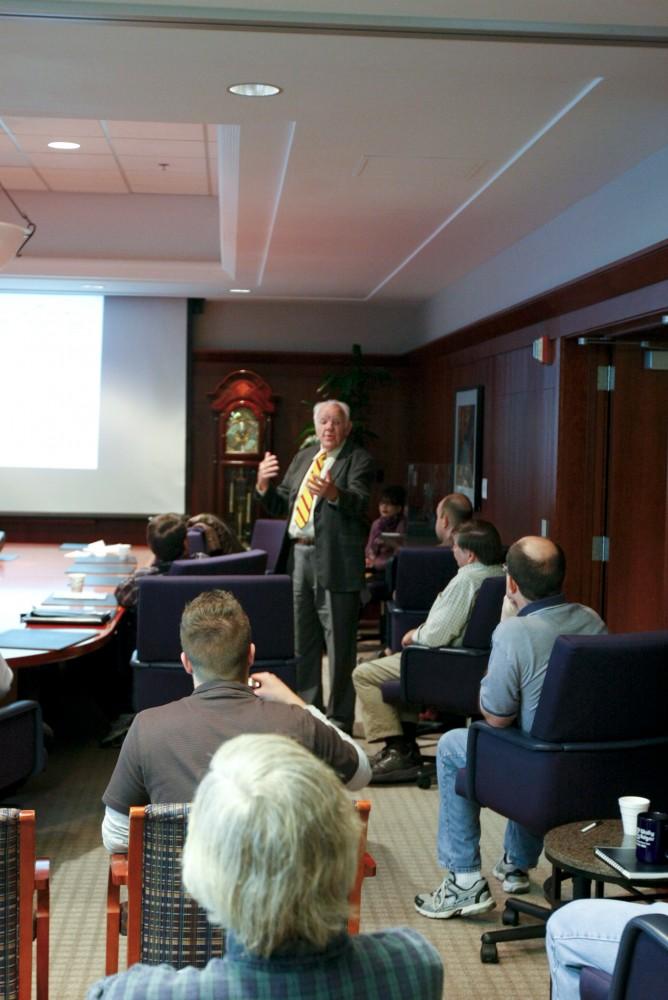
column 305, row 500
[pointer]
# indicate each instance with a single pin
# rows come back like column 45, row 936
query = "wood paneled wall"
column 57, row 528
column 557, row 448
column 520, row 422
column 546, row 449
column 294, row 380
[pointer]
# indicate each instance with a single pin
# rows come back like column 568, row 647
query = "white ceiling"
column 401, row 154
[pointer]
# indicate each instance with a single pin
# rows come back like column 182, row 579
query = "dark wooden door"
column 636, row 575
column 612, row 482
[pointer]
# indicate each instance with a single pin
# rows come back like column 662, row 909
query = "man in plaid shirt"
column 478, row 552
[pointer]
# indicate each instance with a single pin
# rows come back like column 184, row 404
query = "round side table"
column 571, row 852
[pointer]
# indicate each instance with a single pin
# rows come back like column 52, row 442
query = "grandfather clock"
column 242, row 407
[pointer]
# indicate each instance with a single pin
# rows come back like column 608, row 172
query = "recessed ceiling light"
column 254, row 89
column 64, row 145
column 92, row 288
column 240, row 291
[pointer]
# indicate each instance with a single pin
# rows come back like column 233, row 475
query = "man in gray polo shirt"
column 521, row 648
column 168, row 748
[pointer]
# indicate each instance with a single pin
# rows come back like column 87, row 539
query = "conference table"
column 36, row 572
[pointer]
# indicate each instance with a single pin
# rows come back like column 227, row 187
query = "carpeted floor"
column 66, row 798
column 401, row 838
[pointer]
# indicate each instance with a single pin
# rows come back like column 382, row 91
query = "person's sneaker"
column 514, row 879
column 393, row 764
column 450, row 900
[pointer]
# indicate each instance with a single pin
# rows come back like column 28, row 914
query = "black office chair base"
column 511, row 918
column 427, row 773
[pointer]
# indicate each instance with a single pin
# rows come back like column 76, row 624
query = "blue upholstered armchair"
column 449, row 678
column 421, row 574
column 158, row 676
column 268, row 535
column 599, row 730
column 641, row 969
column 236, row 563
column 22, row 753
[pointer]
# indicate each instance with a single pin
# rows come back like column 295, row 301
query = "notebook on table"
column 623, row 860
column 42, row 638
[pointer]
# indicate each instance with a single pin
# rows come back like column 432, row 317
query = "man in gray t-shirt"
column 509, row 693
column 168, row 748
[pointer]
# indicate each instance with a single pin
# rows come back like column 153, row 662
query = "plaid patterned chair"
column 20, row 878
column 163, row 924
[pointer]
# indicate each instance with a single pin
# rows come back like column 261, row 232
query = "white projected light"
column 50, row 357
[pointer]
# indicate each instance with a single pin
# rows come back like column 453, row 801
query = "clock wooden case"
column 242, row 408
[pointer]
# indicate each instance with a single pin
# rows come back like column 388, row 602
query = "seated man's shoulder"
column 510, row 629
column 400, row 947
column 588, row 614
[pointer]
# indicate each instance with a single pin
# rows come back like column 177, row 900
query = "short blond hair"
column 272, row 844
column 215, row 636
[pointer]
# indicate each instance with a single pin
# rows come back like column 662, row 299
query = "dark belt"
column 304, row 541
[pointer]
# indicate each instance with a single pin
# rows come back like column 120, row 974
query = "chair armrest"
column 650, row 929
column 365, row 869
column 42, row 872
column 118, row 876
column 479, row 731
column 446, row 678
column 594, row 984
column 528, row 742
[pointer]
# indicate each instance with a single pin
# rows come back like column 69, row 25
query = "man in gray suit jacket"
column 325, row 493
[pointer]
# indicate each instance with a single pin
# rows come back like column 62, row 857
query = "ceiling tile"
column 156, row 130
column 73, row 161
column 163, row 149
column 66, row 127
column 21, row 179
column 145, row 182
column 40, row 144
column 87, row 181
column 149, row 164
column 9, row 154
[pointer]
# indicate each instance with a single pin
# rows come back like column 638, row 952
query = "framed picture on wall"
column 467, row 460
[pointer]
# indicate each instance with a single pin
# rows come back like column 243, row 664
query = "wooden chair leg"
column 42, row 927
column 366, row 868
column 118, row 876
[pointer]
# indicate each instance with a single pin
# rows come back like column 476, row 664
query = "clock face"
column 242, row 434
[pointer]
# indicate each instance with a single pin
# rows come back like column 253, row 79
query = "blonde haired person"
column 271, row 855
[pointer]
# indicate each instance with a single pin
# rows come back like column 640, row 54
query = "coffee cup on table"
column 77, row 581
column 652, row 837
column 630, row 806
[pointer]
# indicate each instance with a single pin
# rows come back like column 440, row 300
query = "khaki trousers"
column 380, row 720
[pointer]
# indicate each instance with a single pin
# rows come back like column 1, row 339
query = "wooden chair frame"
column 33, row 878
column 126, row 870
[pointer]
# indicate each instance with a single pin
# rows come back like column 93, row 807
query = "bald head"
column 538, row 566
column 452, row 511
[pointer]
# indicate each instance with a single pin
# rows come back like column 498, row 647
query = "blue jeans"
column 587, row 932
column 459, row 818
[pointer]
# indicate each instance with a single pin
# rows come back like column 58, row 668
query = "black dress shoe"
column 392, row 764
